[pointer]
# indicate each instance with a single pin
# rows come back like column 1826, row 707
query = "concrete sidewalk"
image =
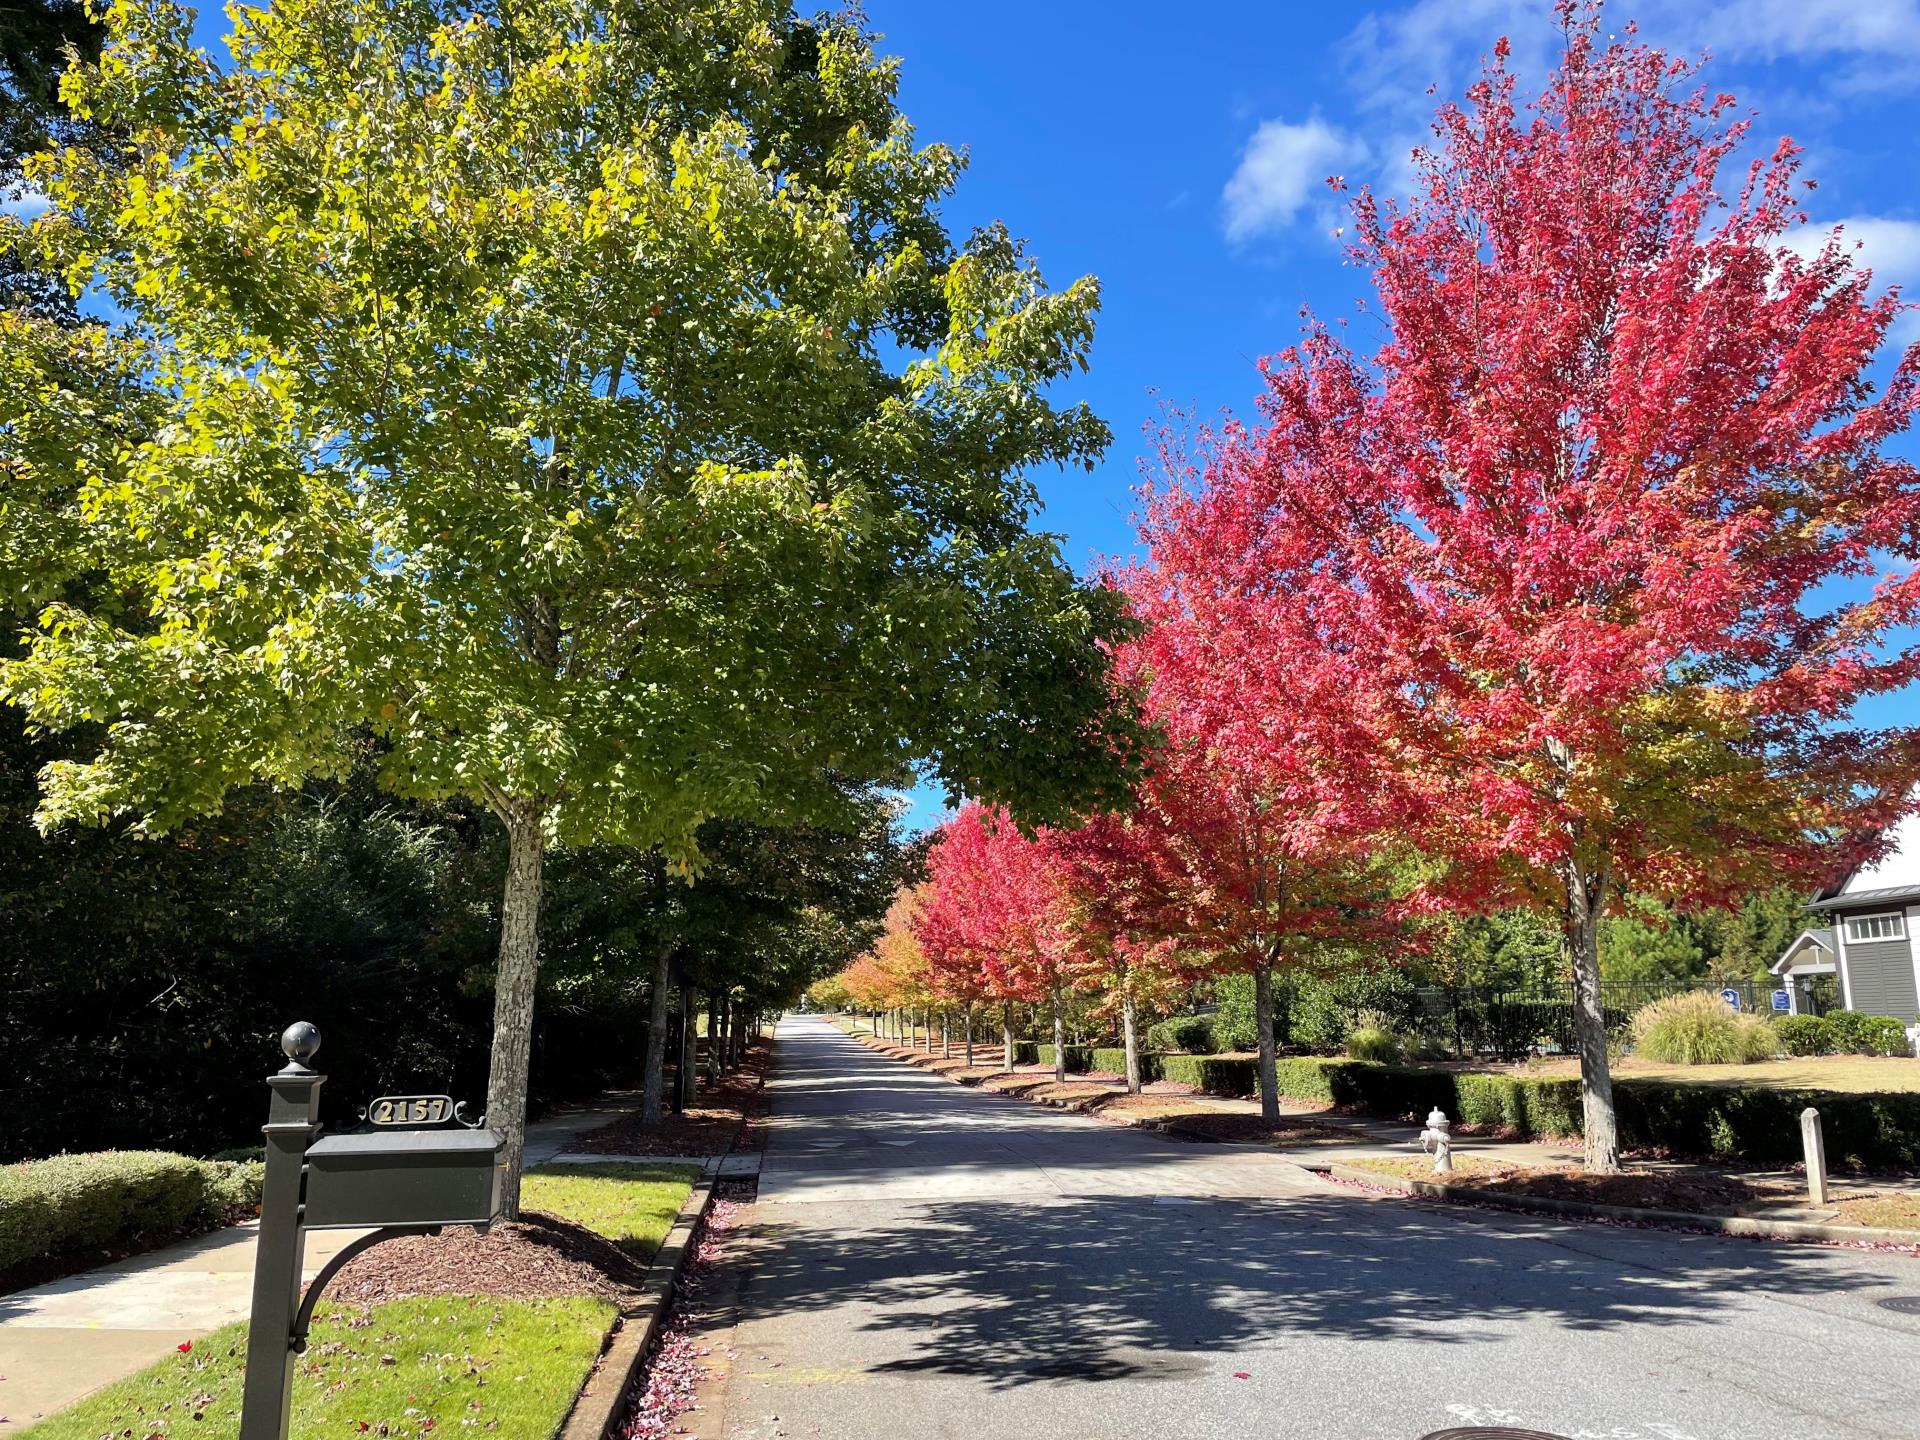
column 66, row 1339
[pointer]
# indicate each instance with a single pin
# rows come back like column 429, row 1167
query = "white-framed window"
column 1863, row 929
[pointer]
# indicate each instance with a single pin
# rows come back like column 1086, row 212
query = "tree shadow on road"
column 1016, row 1293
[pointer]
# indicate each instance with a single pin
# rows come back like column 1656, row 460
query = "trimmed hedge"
column 1871, row 1130
column 1113, row 1060
column 1079, row 1057
column 1874, row 1131
column 75, row 1202
column 1219, row 1074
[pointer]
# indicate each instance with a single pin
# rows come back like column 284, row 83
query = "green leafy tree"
column 38, row 38
column 586, row 399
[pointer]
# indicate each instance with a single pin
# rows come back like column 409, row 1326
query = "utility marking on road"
column 811, row 1375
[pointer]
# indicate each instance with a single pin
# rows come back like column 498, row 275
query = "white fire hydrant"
column 1437, row 1141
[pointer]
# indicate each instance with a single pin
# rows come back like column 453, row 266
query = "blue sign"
column 1780, row 1001
column 1731, row 996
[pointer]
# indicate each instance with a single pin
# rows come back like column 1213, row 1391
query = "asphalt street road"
column 926, row 1261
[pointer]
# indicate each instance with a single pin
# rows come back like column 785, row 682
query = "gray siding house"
column 1865, row 936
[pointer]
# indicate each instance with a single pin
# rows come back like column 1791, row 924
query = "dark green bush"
column 1874, row 1131
column 1322, row 1013
column 1758, row 1123
column 1113, row 1060
column 1079, row 1057
column 1803, row 1034
column 77, row 1202
column 1218, row 1074
column 1852, row 1033
column 1192, row 1034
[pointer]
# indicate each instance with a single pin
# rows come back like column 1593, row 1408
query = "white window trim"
column 1900, row 933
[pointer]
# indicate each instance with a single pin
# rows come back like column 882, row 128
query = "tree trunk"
column 513, row 993
column 1006, row 1034
column 1131, row 1040
column 1585, row 900
column 653, row 1085
column 946, row 1038
column 713, row 1038
column 1059, row 1037
column 688, row 1077
column 969, row 1023
column 1263, row 1023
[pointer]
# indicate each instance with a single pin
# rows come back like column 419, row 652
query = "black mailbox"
column 404, row 1177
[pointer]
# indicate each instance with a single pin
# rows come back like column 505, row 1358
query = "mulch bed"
column 1231, row 1125
column 1695, row 1192
column 536, row 1257
column 711, row 1126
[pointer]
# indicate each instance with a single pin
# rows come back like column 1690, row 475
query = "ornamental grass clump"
column 1371, row 1042
column 1697, row 1028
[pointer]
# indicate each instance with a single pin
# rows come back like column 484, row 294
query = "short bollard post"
column 1815, row 1146
column 292, row 1120
column 1437, row 1140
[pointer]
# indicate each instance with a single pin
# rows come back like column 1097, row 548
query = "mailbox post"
column 292, row 1118
column 389, row 1180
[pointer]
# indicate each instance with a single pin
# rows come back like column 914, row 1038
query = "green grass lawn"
column 632, row 1205
column 438, row 1365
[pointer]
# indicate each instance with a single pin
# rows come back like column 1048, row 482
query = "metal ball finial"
column 300, row 1042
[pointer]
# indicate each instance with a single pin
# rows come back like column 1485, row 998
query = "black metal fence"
column 1512, row 1022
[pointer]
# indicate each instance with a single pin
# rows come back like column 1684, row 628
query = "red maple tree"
column 993, row 919
column 1259, row 818
column 1569, row 527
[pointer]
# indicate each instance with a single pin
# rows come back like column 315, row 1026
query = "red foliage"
column 1571, row 524
column 991, row 923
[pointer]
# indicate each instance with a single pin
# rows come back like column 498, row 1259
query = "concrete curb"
column 1742, row 1225
column 603, row 1395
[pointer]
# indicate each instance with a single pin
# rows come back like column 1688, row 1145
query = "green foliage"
column 1652, row 941
column 1698, row 1028
column 1755, row 1122
column 1216, row 1074
column 1851, row 1033
column 1323, row 1011
column 1113, row 1060
column 1079, row 1058
column 73, row 1202
column 1803, row 1034
column 690, row 448
column 1370, row 1042
column 1509, row 948
column 1761, row 1124
column 1649, row 943
column 1189, row 1034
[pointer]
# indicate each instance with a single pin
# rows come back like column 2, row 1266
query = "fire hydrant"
column 1437, row 1141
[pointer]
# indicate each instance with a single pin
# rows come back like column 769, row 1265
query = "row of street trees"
column 580, row 407
column 1560, row 600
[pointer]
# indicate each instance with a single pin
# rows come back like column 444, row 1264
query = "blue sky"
column 1178, row 154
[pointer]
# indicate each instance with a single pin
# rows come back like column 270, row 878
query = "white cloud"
column 1282, row 168
column 1889, row 248
column 1771, row 29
